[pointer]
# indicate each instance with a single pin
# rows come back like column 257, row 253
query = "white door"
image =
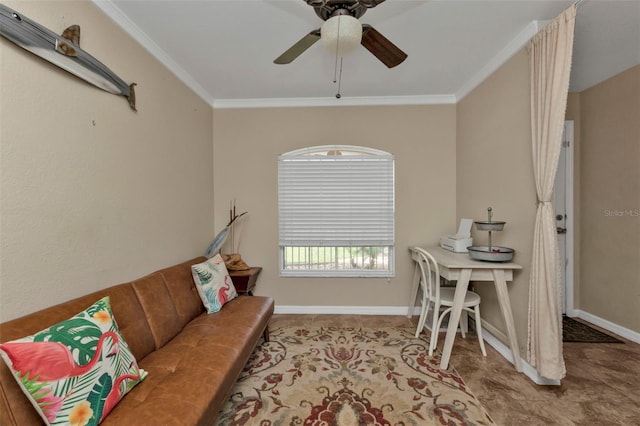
column 563, row 201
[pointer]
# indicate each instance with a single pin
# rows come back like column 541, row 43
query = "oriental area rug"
column 344, row 376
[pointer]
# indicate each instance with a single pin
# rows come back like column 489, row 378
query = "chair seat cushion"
column 446, row 297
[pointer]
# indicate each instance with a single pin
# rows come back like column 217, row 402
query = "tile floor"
column 602, row 385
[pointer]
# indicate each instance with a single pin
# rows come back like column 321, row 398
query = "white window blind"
column 336, row 200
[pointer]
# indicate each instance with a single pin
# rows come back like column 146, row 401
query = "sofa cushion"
column 159, row 308
column 213, row 283
column 124, row 305
column 190, row 378
column 77, row 370
column 183, row 291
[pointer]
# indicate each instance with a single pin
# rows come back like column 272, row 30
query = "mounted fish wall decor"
column 63, row 51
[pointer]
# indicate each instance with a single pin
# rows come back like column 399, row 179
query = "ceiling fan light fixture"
column 341, row 34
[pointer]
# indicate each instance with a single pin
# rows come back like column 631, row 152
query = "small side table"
column 245, row 281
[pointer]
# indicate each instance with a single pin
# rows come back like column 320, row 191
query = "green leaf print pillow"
column 76, row 371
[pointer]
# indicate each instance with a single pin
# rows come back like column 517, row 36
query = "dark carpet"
column 576, row 331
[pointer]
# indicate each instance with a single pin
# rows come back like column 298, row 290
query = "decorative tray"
column 493, row 254
column 489, row 225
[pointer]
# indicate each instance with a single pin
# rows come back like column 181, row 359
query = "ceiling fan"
column 383, row 49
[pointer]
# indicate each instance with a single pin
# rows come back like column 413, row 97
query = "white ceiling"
column 224, row 49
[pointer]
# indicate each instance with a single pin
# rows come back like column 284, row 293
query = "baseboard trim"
column 344, row 310
column 527, row 369
column 621, row 331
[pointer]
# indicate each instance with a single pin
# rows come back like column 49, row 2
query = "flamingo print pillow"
column 213, row 283
column 76, row 371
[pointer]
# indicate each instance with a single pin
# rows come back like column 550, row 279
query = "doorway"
column 563, row 201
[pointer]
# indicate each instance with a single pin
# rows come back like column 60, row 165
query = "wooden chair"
column 433, row 295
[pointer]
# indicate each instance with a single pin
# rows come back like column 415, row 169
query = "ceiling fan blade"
column 387, row 52
column 297, row 49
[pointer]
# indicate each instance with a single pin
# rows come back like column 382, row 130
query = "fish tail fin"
column 72, row 34
column 132, row 97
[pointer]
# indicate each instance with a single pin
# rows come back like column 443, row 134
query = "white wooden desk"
column 460, row 267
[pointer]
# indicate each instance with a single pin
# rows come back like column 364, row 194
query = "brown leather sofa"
column 193, row 358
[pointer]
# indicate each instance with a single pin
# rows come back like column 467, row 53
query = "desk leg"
column 454, row 316
column 414, row 290
column 505, row 307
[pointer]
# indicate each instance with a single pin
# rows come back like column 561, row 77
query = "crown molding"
column 333, row 102
column 116, row 15
column 123, row 21
column 513, row 47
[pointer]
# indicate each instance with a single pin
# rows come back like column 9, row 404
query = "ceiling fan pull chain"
column 335, row 67
column 338, row 95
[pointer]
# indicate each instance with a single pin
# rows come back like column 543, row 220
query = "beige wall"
column 610, row 199
column 494, row 169
column 92, row 193
column 247, row 143
column 573, row 114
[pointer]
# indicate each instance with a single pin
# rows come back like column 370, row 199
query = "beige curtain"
column 550, row 63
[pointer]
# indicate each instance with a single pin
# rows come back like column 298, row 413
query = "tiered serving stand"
column 490, row 253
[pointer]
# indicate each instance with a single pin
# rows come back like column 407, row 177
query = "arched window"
column 336, row 211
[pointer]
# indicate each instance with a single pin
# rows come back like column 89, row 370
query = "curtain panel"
column 550, row 53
